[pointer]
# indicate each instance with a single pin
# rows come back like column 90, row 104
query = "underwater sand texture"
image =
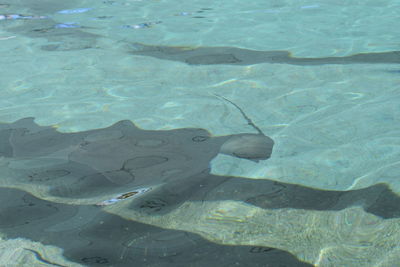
column 25, row 253
column 349, row 237
column 92, row 237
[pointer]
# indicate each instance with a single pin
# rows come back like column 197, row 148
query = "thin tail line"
column 249, row 121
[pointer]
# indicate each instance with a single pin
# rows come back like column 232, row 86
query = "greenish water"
column 320, row 78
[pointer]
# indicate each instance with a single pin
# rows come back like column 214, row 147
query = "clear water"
column 335, row 125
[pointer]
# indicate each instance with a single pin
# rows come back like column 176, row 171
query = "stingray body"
column 120, row 160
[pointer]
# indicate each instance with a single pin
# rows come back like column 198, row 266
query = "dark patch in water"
column 241, row 56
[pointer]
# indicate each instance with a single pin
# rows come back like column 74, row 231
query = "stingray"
column 157, row 171
column 119, row 242
column 242, row 56
column 121, row 161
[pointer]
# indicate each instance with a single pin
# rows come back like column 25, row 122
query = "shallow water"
column 320, row 78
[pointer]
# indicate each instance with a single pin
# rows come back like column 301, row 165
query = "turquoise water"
column 320, row 78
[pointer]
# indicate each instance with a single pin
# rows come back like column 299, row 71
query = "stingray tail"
column 249, row 121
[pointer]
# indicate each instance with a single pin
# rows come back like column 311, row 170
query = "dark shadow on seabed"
column 241, row 56
column 98, row 238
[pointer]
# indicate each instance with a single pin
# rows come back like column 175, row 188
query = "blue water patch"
column 393, row 71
